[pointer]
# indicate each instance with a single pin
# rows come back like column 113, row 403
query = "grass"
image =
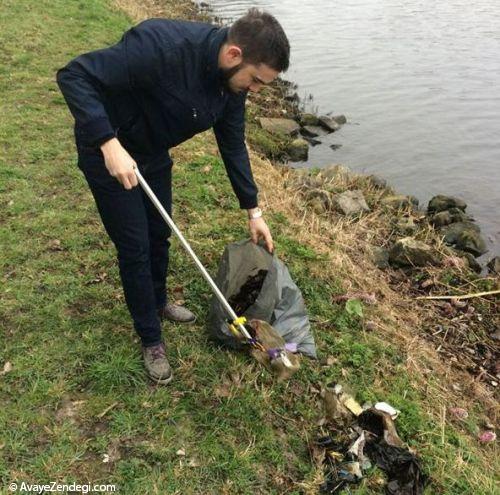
column 77, row 394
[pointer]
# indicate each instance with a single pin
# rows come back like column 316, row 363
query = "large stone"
column 471, row 261
column 405, row 225
column 337, row 171
column 440, row 203
column 308, row 119
column 398, row 201
column 287, row 127
column 312, row 131
column 446, row 217
column 350, row 202
column 378, row 182
column 494, row 265
column 328, row 123
column 340, row 119
column 380, row 256
column 410, row 252
column 319, row 200
column 465, row 236
column 298, row 150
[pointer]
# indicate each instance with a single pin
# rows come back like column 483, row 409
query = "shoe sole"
column 188, row 322
column 159, row 381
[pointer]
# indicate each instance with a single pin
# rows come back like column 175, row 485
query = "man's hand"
column 119, row 163
column 259, row 230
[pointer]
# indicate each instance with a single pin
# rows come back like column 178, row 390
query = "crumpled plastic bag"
column 279, row 359
column 279, row 301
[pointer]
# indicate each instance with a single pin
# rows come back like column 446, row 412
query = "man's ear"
column 234, row 55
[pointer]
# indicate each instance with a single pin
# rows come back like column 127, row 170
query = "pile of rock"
column 303, row 132
column 458, row 229
column 321, row 197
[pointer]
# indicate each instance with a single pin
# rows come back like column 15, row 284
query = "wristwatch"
column 256, row 213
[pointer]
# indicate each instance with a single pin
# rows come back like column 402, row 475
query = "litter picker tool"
column 238, row 322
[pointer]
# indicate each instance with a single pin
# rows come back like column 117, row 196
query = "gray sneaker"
column 176, row 313
column 156, row 363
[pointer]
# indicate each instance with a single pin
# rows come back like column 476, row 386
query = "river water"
column 419, row 82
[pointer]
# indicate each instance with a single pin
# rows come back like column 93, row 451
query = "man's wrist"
column 254, row 213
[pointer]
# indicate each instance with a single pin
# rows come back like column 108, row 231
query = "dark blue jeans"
column 139, row 234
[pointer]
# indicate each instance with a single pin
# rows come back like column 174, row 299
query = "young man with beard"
column 164, row 82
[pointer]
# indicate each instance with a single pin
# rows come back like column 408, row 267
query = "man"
column 164, row 82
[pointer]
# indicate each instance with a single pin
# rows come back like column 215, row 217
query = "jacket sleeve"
column 87, row 80
column 230, row 134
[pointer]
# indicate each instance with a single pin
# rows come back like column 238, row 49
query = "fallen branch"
column 464, row 296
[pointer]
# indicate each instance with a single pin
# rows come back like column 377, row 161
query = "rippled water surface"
column 419, row 82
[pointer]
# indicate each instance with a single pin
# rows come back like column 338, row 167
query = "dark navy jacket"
column 157, row 87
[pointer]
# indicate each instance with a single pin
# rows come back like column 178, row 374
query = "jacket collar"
column 216, row 40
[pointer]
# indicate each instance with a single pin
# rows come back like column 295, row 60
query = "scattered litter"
column 105, row 458
column 181, row 453
column 458, row 412
column 278, row 357
column 387, row 408
column 487, row 437
column 339, row 404
column 370, row 438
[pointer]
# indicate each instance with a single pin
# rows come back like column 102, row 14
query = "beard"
column 227, row 74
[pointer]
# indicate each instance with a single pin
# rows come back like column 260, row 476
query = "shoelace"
column 158, row 352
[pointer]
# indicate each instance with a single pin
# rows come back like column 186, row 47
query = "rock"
column 398, row 201
column 317, row 206
column 314, row 195
column 328, row 123
column 293, row 97
column 288, row 127
column 464, row 236
column 380, row 257
column 298, row 150
column 494, row 265
column 308, row 119
column 410, row 252
column 405, row 225
column 311, row 131
column 446, row 217
column 471, row 261
column 440, row 203
column 350, row 202
column 377, row 181
column 340, row 119
column 312, row 141
column 335, row 172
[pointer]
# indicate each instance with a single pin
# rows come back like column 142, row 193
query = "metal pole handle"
column 187, row 247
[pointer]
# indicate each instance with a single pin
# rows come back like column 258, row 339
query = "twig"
column 464, row 296
column 100, row 415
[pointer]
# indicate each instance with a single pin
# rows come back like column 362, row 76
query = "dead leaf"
column 100, row 277
column 223, row 390
column 6, row 368
column 331, row 360
column 206, row 169
column 55, row 245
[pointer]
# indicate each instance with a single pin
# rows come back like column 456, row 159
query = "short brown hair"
column 261, row 39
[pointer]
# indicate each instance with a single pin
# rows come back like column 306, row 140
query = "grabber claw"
column 240, row 320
